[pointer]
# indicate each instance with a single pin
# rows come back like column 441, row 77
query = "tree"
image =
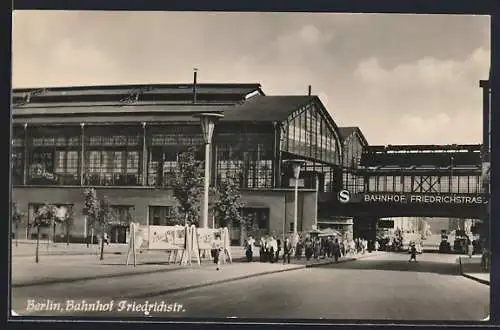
column 175, row 217
column 17, row 217
column 91, row 211
column 99, row 213
column 227, row 207
column 104, row 216
column 44, row 217
column 250, row 225
column 187, row 182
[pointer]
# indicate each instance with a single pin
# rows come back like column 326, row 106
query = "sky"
column 403, row 79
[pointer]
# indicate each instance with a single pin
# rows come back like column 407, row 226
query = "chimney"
column 309, row 90
column 195, row 84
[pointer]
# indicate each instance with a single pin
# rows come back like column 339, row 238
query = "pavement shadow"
column 421, row 266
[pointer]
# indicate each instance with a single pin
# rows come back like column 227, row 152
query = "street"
column 385, row 287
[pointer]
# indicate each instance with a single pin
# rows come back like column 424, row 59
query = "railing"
column 110, row 179
column 54, row 179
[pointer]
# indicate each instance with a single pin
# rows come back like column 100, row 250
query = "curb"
column 87, row 278
column 202, row 285
column 479, row 280
column 238, row 278
column 329, row 263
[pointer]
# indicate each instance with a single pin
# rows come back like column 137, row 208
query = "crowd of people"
column 273, row 249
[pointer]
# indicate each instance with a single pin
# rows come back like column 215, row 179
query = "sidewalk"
column 61, row 269
column 65, row 269
column 27, row 248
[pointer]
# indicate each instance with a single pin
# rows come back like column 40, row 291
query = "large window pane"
column 372, row 184
column 390, row 182
column 112, row 168
column 53, row 157
column 445, row 184
column 251, row 167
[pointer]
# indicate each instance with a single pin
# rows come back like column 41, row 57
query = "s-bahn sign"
column 345, row 196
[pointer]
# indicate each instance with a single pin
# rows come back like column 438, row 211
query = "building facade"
column 125, row 142
column 353, row 144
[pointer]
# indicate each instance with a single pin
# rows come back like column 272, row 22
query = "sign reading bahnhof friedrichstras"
column 409, row 198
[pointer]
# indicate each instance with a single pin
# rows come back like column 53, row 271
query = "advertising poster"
column 159, row 237
column 206, row 238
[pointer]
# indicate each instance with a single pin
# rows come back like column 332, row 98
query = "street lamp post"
column 208, row 121
column 296, row 165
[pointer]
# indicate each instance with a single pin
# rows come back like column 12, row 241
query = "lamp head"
column 208, row 120
column 296, row 166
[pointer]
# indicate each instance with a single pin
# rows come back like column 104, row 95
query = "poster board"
column 166, row 238
column 205, row 237
column 206, row 240
column 173, row 239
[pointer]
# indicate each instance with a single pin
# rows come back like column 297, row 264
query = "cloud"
column 389, row 74
column 427, row 100
column 74, row 65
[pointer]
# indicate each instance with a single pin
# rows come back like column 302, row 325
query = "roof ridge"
column 132, row 85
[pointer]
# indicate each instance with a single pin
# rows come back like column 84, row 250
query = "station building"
column 124, row 140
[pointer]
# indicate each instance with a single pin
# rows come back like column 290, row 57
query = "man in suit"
column 287, row 250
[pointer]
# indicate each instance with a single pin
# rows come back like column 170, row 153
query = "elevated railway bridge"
column 412, row 181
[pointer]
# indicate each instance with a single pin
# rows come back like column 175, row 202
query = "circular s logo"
column 344, row 196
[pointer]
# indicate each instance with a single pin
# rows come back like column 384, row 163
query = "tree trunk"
column 37, row 243
column 242, row 232
column 48, row 236
column 102, row 243
column 92, row 236
column 67, row 236
column 54, row 233
column 17, row 237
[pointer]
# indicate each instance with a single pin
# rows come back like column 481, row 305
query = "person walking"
column 336, row 250
column 278, row 250
column 106, row 238
column 470, row 249
column 413, row 253
column 272, row 249
column 262, row 249
column 287, row 250
column 330, row 247
column 216, row 251
column 317, row 248
column 342, row 248
column 308, row 245
column 249, row 249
